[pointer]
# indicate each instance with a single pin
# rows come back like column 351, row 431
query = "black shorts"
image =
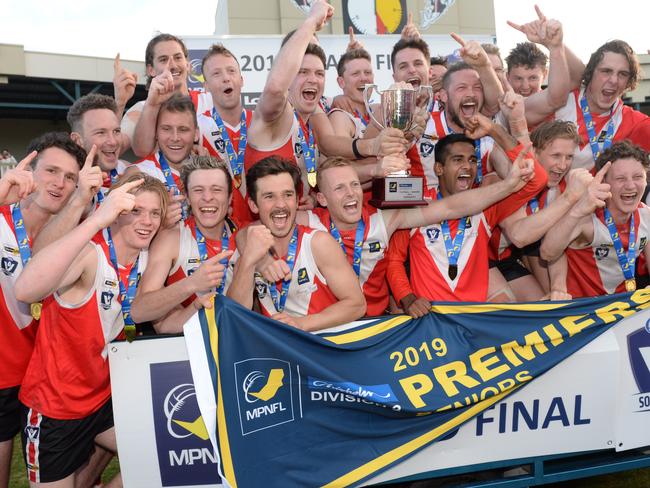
column 512, row 268
column 9, row 413
column 54, row 449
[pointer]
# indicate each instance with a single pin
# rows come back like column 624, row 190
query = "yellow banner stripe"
column 358, row 335
column 400, row 452
column 493, row 307
column 226, row 456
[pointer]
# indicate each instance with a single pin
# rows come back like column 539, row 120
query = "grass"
column 638, row 478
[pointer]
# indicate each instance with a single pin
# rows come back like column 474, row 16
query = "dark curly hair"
column 619, row 47
column 60, row 140
column 528, row 55
column 622, row 150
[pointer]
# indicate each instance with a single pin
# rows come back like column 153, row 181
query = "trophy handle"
column 366, row 92
column 429, row 91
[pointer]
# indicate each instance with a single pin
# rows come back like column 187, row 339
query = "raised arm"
column 18, row 182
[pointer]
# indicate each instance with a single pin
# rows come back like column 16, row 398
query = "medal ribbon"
column 21, row 234
column 627, row 262
column 364, row 120
column 358, row 243
column 100, row 195
column 534, row 204
column 236, row 160
column 454, row 246
column 203, row 249
column 127, row 294
column 170, row 183
column 591, row 131
column 308, row 148
column 291, row 260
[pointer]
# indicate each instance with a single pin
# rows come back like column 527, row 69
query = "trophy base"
column 397, row 192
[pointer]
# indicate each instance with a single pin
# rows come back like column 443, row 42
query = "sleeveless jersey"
column 372, row 275
column 151, row 166
column 68, row 375
column 216, row 146
column 308, row 292
column 624, row 118
column 359, row 126
column 595, row 270
column 17, row 329
column 422, row 152
column 188, row 259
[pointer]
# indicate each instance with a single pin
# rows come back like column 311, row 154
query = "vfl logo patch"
column 375, row 246
column 433, row 233
column 220, row 145
column 642, row 243
column 426, row 149
column 32, row 432
column 601, row 252
column 264, row 393
column 8, row 265
column 297, row 149
column 303, row 276
column 392, row 186
column 262, row 289
column 638, row 345
column 106, row 299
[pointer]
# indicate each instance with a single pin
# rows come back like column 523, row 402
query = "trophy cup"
column 398, row 106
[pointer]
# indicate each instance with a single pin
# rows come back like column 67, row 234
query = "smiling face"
column 139, row 226
column 341, row 193
column 358, row 73
column 308, row 85
column 169, row 55
column 55, row 176
column 608, row 83
column 463, row 96
column 276, row 201
column 627, row 178
column 459, row 170
column 411, row 66
column 526, row 81
column 176, row 133
column 209, row 196
column 556, row 158
column 223, row 80
column 101, row 127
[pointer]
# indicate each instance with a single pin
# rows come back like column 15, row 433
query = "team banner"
column 296, row 409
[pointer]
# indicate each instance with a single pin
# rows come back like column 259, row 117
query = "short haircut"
column 217, row 50
column 443, row 146
column 622, row 150
column 92, row 101
column 195, row 162
column 413, row 43
column 60, row 140
column 148, row 53
column 438, row 61
column 547, row 132
column 491, row 49
column 316, row 50
column 271, row 165
column 619, row 47
column 454, row 68
column 288, row 35
column 150, row 183
column 178, row 103
column 331, row 162
column 528, row 55
column 349, row 56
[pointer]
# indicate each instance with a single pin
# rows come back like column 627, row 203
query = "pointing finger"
column 351, row 33
column 90, row 157
column 117, row 65
column 458, row 39
column 539, row 13
column 410, row 18
column 520, row 28
column 603, row 171
column 27, row 161
column 126, row 187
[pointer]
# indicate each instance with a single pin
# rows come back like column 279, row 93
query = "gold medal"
column 130, row 332
column 311, row 177
column 630, row 285
column 237, row 180
column 35, row 310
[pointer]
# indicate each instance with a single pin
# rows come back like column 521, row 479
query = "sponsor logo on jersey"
column 303, row 276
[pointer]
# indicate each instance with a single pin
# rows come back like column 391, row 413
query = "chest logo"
column 433, row 233
column 220, row 145
column 303, row 276
column 426, row 149
column 375, row 246
column 106, row 299
column 9, row 266
column 297, row 149
column 601, row 252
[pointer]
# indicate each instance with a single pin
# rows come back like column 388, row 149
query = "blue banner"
column 297, row 409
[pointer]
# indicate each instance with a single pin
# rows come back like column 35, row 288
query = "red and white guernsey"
column 290, row 149
column 216, row 146
column 308, row 292
column 151, row 166
column 359, row 125
column 189, row 260
column 17, row 329
column 372, row 275
column 624, row 118
column 68, row 376
column 595, row 270
column 422, row 153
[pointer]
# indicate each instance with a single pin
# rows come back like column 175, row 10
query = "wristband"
column 355, row 149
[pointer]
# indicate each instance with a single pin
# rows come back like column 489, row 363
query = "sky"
column 92, row 28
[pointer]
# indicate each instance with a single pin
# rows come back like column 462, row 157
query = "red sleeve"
column 640, row 134
column 395, row 270
column 506, row 207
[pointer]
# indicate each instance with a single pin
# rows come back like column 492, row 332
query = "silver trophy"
column 397, row 110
